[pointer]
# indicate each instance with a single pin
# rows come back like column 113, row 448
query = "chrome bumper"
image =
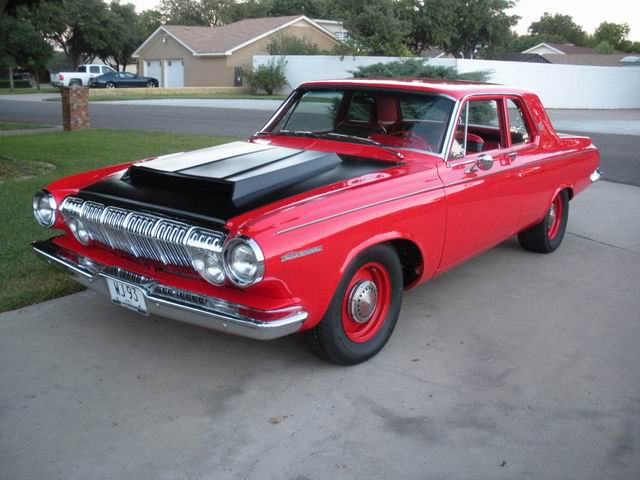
column 595, row 176
column 181, row 305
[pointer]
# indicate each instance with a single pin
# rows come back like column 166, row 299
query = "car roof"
column 453, row 88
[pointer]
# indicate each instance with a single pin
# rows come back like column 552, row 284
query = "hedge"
column 16, row 83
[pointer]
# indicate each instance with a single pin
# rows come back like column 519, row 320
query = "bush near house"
column 269, row 77
column 4, row 83
column 416, row 68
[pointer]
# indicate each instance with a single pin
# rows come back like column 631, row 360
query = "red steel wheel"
column 555, row 217
column 363, row 311
column 366, row 303
column 546, row 235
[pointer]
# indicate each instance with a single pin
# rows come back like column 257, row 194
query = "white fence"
column 559, row 86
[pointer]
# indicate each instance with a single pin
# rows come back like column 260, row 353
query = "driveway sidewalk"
column 514, row 365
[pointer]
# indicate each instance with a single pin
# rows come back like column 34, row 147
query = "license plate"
column 127, row 295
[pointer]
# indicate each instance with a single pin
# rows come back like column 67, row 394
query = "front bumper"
column 180, row 305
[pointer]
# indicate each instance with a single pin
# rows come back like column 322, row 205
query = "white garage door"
column 152, row 69
column 173, row 73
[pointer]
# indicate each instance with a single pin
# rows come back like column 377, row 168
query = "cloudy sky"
column 589, row 14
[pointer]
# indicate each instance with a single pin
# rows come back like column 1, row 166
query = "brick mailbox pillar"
column 75, row 108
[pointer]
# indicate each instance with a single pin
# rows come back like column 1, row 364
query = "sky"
column 587, row 13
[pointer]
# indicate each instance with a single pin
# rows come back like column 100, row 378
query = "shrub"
column 416, row 68
column 269, row 77
column 292, row 45
column 16, row 83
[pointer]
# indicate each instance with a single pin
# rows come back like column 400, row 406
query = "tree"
column 148, row 22
column 21, row 45
column 376, row 27
column 615, row 34
column 415, row 68
column 291, row 45
column 196, row 12
column 77, row 27
column 431, row 21
column 121, row 35
column 559, row 26
column 480, row 26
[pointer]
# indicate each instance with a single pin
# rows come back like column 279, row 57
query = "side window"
column 362, row 108
column 518, row 128
column 94, row 69
column 478, row 128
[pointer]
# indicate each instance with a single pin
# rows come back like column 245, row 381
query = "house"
column 548, row 48
column 189, row 56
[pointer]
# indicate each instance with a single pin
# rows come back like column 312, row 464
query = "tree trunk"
column 11, row 78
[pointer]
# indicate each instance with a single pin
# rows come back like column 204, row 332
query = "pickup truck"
column 81, row 76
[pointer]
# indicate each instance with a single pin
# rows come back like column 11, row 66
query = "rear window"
column 82, row 69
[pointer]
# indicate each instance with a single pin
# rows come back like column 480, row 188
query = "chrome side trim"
column 181, row 305
column 357, row 209
column 595, row 176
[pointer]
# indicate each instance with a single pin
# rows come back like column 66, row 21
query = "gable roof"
column 222, row 41
column 566, row 48
column 596, row 60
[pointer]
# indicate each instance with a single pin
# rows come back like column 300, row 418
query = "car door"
column 480, row 181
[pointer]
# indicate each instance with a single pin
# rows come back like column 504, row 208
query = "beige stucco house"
column 213, row 56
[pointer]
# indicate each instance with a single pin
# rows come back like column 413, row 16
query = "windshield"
column 394, row 119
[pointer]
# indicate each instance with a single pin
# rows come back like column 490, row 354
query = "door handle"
column 512, row 155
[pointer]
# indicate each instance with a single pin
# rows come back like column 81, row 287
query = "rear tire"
column 75, row 82
column 363, row 311
column 110, row 85
column 547, row 235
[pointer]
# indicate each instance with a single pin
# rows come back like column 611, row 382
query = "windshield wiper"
column 291, row 133
column 362, row 140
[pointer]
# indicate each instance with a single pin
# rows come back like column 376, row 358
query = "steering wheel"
column 413, row 139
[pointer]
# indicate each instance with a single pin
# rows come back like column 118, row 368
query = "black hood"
column 217, row 183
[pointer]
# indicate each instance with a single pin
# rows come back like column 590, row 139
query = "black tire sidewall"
column 555, row 242
column 346, row 351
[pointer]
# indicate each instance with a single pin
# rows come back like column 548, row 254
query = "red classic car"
column 354, row 191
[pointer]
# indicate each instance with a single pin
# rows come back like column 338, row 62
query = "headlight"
column 44, row 208
column 243, row 261
column 209, row 265
column 205, row 250
column 79, row 231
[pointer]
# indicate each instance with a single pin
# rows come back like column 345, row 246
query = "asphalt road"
column 620, row 153
column 514, row 365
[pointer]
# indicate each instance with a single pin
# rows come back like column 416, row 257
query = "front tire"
column 547, row 235
column 363, row 311
column 151, row 84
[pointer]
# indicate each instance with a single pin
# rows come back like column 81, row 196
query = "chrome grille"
column 142, row 235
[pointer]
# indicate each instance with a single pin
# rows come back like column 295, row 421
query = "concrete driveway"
column 513, row 366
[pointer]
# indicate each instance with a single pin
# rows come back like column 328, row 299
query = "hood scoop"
column 236, row 173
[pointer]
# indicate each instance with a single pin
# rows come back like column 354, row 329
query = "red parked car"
column 353, row 192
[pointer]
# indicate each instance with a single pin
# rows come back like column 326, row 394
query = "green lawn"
column 24, row 279
column 20, row 126
column 188, row 95
column 6, row 91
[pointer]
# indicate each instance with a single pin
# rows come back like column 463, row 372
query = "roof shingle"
column 225, row 38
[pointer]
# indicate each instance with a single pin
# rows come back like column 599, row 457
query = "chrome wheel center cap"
column 363, row 300
column 552, row 215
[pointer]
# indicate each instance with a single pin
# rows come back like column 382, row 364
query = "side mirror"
column 483, row 162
